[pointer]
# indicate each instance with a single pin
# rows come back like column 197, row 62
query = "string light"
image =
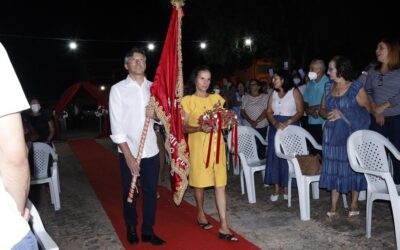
column 102, row 87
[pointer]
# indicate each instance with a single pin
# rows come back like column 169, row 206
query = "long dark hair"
column 193, row 76
column 287, row 80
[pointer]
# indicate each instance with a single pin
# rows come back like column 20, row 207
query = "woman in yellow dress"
column 202, row 176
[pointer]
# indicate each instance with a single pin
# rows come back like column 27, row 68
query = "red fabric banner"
column 167, row 91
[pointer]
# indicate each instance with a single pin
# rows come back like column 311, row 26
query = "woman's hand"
column 205, row 129
column 333, row 115
column 380, row 119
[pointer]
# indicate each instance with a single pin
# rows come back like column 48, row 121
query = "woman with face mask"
column 41, row 123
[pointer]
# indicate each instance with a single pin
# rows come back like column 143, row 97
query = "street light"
column 248, row 42
column 150, row 46
column 203, row 45
column 73, row 45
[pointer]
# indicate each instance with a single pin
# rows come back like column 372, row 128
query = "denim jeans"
column 29, row 242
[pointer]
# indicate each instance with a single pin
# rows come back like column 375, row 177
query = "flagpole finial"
column 178, row 3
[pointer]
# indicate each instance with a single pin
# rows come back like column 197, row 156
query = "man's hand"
column 26, row 214
column 133, row 166
column 150, row 112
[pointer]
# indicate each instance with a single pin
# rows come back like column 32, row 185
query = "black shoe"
column 132, row 238
column 153, row 239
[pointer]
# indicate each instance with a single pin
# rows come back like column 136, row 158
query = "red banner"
column 167, row 91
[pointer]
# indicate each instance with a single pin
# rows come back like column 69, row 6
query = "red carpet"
column 175, row 224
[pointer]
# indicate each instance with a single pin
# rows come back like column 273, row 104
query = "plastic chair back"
column 366, row 151
column 41, row 155
column 247, row 143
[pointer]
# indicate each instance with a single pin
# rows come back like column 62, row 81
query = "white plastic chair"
column 291, row 142
column 41, row 153
column 247, row 150
column 43, row 238
column 367, row 154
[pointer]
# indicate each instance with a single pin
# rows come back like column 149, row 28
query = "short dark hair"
column 287, row 79
column 133, row 51
column 344, row 67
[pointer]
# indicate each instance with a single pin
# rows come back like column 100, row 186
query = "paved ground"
column 82, row 223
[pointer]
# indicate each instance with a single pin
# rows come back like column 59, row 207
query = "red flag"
column 167, row 91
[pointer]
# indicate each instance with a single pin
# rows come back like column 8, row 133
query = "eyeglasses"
column 380, row 80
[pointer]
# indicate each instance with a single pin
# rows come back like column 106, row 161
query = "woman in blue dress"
column 345, row 106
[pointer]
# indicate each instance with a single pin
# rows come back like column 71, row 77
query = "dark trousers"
column 149, row 170
column 390, row 130
column 316, row 131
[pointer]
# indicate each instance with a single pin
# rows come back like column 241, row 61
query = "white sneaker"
column 285, row 196
column 274, row 197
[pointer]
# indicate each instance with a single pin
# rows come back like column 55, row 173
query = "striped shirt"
column 384, row 87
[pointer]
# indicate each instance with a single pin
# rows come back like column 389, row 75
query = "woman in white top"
column 285, row 107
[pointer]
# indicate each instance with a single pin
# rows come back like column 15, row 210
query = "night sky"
column 36, row 33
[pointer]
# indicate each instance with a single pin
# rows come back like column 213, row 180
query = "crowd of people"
column 331, row 103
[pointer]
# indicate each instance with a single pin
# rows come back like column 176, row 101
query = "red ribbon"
column 235, row 135
column 219, row 117
column 209, row 147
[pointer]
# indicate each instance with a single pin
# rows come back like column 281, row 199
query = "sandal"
column 331, row 216
column 228, row 237
column 205, row 226
column 353, row 215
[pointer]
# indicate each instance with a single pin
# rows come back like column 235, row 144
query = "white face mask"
column 312, row 75
column 217, row 91
column 296, row 81
column 35, row 108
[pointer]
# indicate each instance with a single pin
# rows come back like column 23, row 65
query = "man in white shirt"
column 14, row 168
column 129, row 108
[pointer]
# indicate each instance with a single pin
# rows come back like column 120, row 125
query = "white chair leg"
column 315, row 190
column 236, row 168
column 396, row 220
column 253, row 187
column 289, row 188
column 307, row 199
column 369, row 215
column 262, row 175
column 345, row 204
column 302, row 199
column 51, row 190
column 242, row 181
column 56, row 193
column 248, row 181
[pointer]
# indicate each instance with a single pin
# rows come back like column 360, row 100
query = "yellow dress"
column 215, row 174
